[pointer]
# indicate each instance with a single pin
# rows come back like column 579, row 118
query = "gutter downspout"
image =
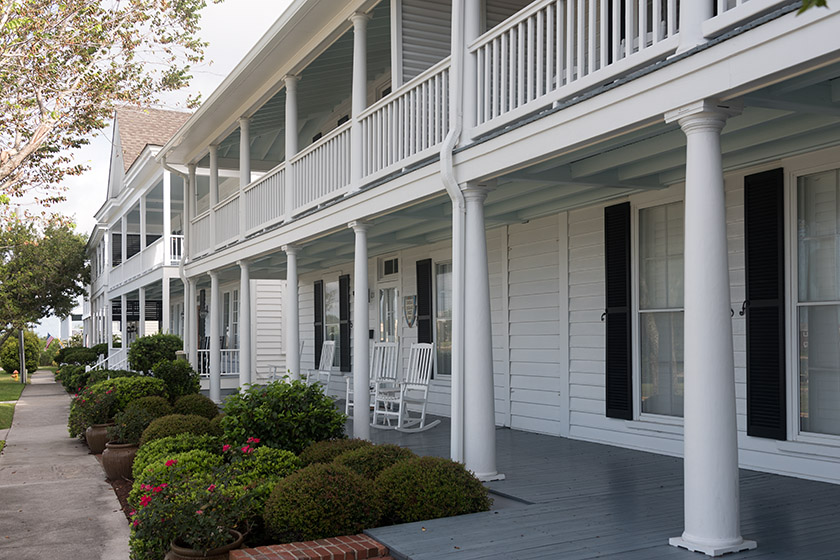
column 447, row 171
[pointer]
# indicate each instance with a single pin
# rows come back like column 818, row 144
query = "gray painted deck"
column 596, row 501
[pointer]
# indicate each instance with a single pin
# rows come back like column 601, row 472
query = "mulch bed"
column 121, row 489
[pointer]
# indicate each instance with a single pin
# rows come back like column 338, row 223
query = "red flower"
column 253, row 440
column 225, row 447
column 171, row 462
column 199, row 511
column 145, row 500
column 211, row 487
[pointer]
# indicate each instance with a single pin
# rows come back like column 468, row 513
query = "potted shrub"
column 191, row 517
column 91, row 414
column 124, row 436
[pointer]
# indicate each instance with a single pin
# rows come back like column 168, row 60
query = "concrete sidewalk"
column 54, row 501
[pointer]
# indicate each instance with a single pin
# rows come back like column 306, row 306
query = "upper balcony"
column 164, row 251
column 544, row 54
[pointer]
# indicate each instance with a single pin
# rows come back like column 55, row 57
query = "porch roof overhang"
column 298, row 36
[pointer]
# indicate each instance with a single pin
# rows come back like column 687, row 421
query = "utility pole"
column 22, row 354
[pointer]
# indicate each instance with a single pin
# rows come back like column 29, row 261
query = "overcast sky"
column 232, row 28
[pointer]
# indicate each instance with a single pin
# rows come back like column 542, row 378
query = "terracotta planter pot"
column 178, row 552
column 96, row 437
column 117, row 460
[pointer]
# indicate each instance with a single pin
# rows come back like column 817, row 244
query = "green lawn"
column 9, row 389
column 7, row 410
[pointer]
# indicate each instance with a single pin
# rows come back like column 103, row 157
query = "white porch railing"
column 408, row 125
column 322, row 169
column 264, row 199
column 731, row 13
column 152, row 255
column 118, row 359
column 229, row 362
column 554, row 48
column 176, row 247
column 201, row 240
column 227, row 220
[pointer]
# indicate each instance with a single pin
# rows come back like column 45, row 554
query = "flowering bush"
column 90, row 407
column 129, row 425
column 190, row 510
column 128, row 389
column 175, row 424
column 195, row 464
column 157, row 450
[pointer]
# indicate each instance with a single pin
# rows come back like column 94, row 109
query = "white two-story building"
column 618, row 221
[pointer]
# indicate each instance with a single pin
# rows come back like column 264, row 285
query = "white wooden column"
column 192, row 322
column 359, row 95
column 215, row 341
column 712, row 517
column 214, row 191
column 692, row 16
column 165, row 308
column 123, row 237
column 143, row 222
column 291, row 313
column 473, row 18
column 109, row 325
column 244, row 171
column 479, row 401
column 361, row 322
column 244, row 323
column 291, row 143
column 141, row 324
column 188, row 342
column 124, row 325
column 167, row 218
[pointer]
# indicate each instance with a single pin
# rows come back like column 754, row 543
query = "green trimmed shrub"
column 90, row 407
column 429, row 488
column 195, row 464
column 10, row 353
column 98, row 375
column 76, row 355
column 73, row 377
column 321, row 501
column 370, row 461
column 156, row 406
column 181, row 379
column 128, row 389
column 285, row 415
column 161, row 449
column 197, row 404
column 100, row 349
column 146, row 351
column 130, row 425
column 327, row 450
column 175, row 424
column 216, row 425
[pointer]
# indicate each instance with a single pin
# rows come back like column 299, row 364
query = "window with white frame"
column 818, row 301
column 443, row 318
column 660, row 308
column 332, row 318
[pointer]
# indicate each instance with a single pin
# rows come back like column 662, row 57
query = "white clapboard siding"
column 425, row 35
column 534, row 325
column 267, row 336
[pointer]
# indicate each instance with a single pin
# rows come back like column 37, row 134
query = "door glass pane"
column 817, row 232
column 819, row 369
column 661, row 336
column 443, row 318
column 661, row 272
column 388, row 314
column 331, row 319
column 226, row 320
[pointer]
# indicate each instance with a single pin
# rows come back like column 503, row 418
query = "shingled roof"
column 141, row 126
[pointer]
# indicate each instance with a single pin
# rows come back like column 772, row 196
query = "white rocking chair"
column 275, row 373
column 383, row 368
column 323, row 374
column 412, row 390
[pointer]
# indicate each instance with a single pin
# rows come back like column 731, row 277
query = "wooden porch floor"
column 578, row 500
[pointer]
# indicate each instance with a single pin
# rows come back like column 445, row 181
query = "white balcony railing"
column 322, row 169
column 153, row 255
column 229, row 362
column 554, row 48
column 201, row 239
column 408, row 125
column 227, row 220
column 264, row 199
column 176, row 248
column 731, row 13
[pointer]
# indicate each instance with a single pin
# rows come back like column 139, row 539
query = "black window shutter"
column 344, row 322
column 765, row 310
column 424, row 300
column 619, row 378
column 319, row 320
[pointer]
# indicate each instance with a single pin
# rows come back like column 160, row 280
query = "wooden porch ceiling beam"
column 562, row 176
column 798, row 105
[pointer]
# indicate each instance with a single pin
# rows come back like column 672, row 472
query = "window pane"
column 388, row 317
column 661, row 336
column 819, row 369
column 443, row 318
column 817, row 232
column 661, row 256
column 331, row 319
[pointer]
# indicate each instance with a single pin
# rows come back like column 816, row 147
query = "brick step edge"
column 351, row 547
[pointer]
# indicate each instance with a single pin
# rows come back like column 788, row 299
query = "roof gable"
column 140, row 127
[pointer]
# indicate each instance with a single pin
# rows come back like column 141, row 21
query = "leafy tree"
column 41, row 273
column 148, row 350
column 64, row 66
column 807, row 4
column 10, row 352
